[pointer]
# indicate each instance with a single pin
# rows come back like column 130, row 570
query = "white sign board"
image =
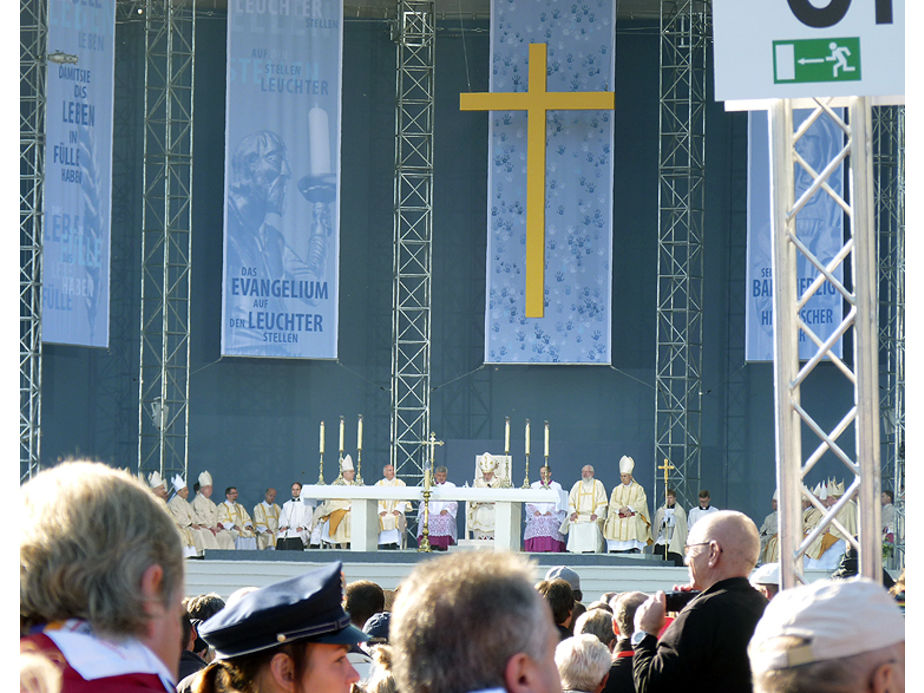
column 777, row 49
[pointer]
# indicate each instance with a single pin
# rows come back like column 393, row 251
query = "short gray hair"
column 597, row 622
column 88, row 534
column 457, row 622
column 582, row 662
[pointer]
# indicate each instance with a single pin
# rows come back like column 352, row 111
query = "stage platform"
column 225, row 571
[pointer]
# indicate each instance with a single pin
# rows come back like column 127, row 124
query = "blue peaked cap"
column 307, row 607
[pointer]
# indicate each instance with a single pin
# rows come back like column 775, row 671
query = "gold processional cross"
column 536, row 102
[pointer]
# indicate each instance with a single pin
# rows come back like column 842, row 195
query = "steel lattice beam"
column 33, row 39
column 684, row 37
column 415, row 35
column 166, row 243
column 889, row 192
column 794, row 417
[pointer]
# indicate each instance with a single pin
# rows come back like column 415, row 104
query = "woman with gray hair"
column 583, row 664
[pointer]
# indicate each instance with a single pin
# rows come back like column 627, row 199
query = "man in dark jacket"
column 705, row 648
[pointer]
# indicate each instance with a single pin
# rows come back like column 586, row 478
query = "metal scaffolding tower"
column 415, row 35
column 33, row 39
column 166, row 242
column 685, row 29
column 794, row 418
column 889, row 193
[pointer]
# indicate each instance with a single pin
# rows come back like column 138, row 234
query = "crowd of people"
column 101, row 609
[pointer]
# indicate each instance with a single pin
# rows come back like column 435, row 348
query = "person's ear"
column 152, row 583
column 519, row 674
column 883, row 679
column 282, row 670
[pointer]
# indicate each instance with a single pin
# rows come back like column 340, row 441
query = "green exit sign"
column 816, row 60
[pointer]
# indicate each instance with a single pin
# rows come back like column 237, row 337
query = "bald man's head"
column 731, row 550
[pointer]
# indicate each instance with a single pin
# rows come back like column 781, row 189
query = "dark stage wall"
column 254, row 422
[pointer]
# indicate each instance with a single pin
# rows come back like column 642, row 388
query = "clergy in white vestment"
column 587, row 510
column 481, row 515
column 628, row 523
column 705, row 507
column 207, row 515
column 158, row 485
column 543, row 520
column 770, row 534
column 825, row 552
column 442, row 527
column 234, row 517
column 392, row 521
column 185, row 519
column 294, row 522
column 670, row 523
column 335, row 513
column 266, row 520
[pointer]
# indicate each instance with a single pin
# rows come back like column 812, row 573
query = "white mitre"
column 205, row 479
column 626, row 465
column 488, row 463
column 346, row 464
column 179, row 483
column 155, row 480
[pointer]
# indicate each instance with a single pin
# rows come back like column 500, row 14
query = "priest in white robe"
column 671, row 525
column 235, row 518
column 770, row 534
column 480, row 517
column 543, row 520
column 266, row 520
column 207, row 515
column 294, row 522
column 587, row 511
column 442, row 527
column 392, row 520
column 628, row 523
column 825, row 552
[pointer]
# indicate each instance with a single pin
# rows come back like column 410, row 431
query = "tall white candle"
column 527, row 436
column 546, row 438
column 321, row 439
column 507, row 435
column 359, row 433
column 341, row 434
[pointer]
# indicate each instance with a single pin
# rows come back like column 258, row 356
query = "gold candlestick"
column 424, row 545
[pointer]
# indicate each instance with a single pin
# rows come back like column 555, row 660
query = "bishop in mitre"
column 335, row 512
column 586, row 512
column 207, row 515
column 628, row 523
column 481, row 515
column 825, row 552
column 185, row 519
column 392, row 520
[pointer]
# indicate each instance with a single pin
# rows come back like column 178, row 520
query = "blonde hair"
column 88, row 534
column 582, row 662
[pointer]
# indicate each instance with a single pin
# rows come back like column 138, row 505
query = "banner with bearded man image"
column 282, row 180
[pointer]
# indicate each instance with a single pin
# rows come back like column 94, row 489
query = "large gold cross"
column 536, row 102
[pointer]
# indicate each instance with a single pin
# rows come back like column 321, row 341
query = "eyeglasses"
column 687, row 547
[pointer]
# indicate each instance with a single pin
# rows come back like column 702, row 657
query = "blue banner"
column 282, row 179
column 78, row 172
column 820, row 225
column 578, row 191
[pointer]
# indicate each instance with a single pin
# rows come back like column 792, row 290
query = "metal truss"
column 166, row 241
column 415, row 35
column 33, row 40
column 685, row 30
column 857, row 258
column 889, row 192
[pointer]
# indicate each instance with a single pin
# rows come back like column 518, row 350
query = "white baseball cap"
column 835, row 618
